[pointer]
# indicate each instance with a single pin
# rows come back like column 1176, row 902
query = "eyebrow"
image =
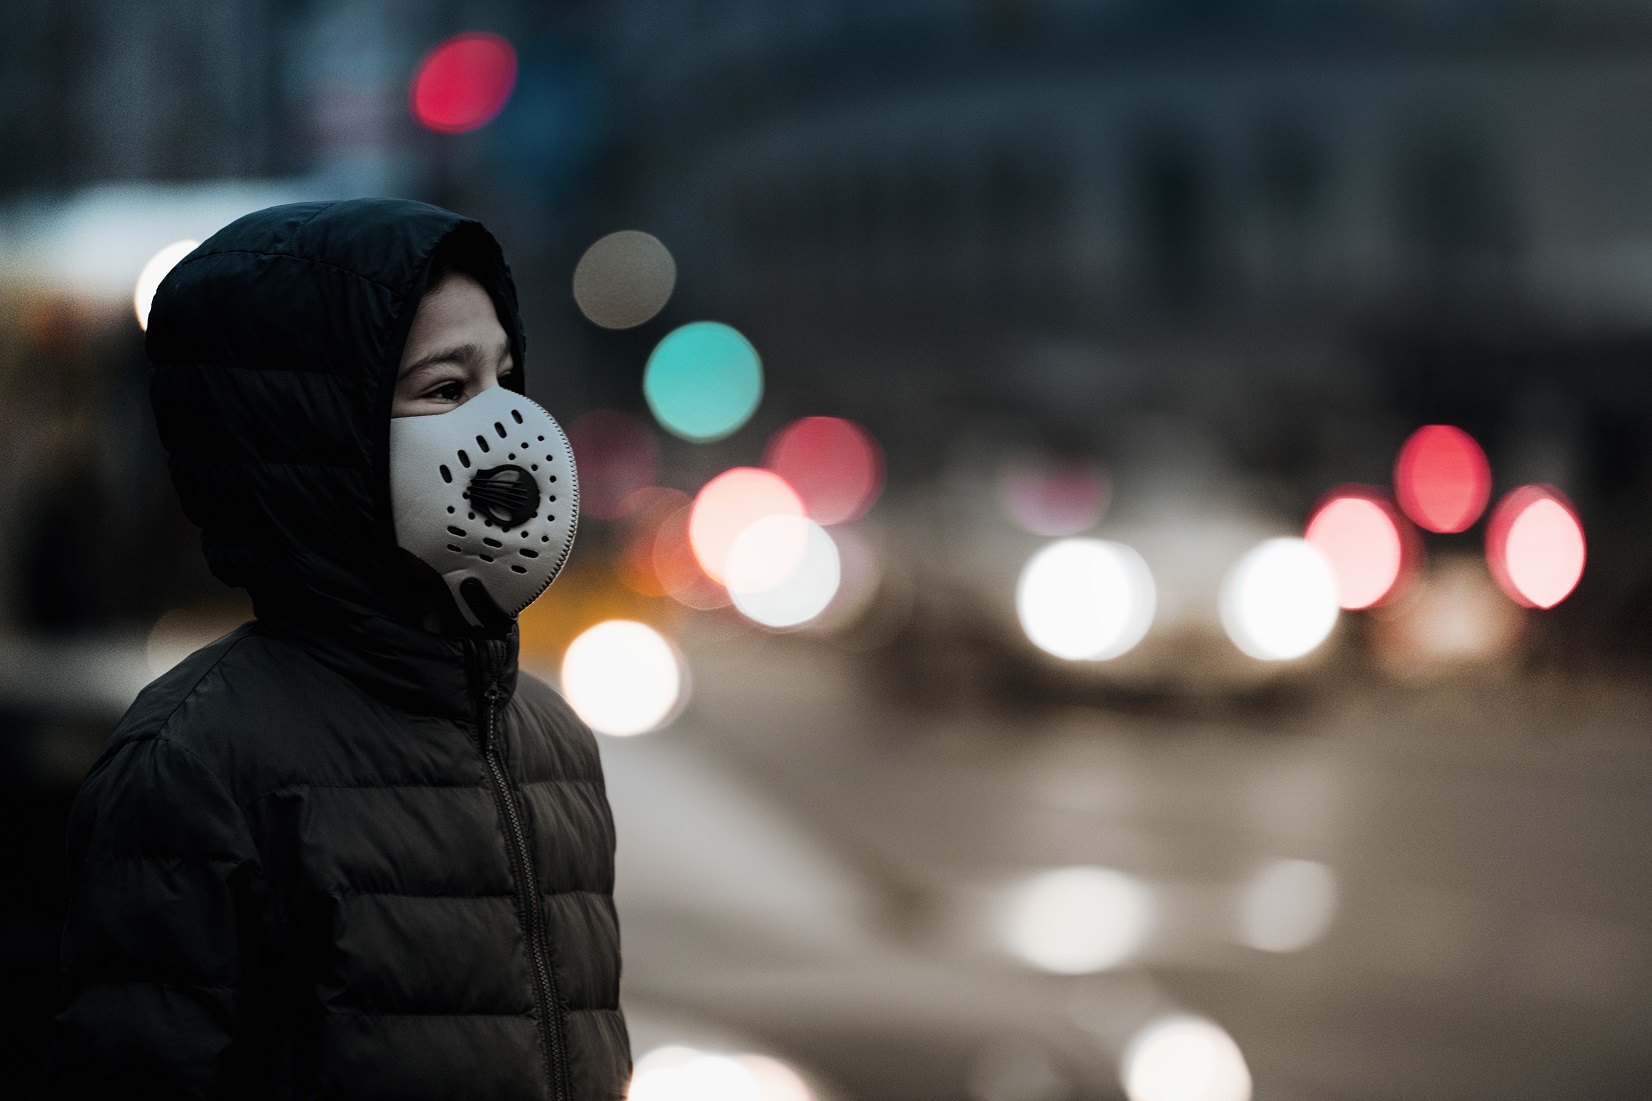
column 452, row 354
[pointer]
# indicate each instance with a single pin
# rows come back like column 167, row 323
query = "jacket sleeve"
column 160, row 865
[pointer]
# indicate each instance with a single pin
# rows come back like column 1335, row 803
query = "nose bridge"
column 487, row 379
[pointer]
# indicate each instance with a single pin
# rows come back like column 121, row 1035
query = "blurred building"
column 1294, row 230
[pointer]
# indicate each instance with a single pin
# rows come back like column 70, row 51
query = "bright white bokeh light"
column 1184, row 1059
column 622, row 677
column 1085, row 599
column 1280, row 601
column 783, row 571
column 1287, row 905
column 1079, row 920
column 149, row 279
column 775, row 1080
column 679, row 1073
column 765, row 553
column 682, row 1074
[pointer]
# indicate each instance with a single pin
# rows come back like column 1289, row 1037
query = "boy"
column 347, row 850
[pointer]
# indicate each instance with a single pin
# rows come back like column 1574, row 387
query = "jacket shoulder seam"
column 160, row 733
column 163, row 727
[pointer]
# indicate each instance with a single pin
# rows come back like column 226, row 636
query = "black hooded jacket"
column 333, row 854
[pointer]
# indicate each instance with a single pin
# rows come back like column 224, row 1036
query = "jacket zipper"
column 550, row 1013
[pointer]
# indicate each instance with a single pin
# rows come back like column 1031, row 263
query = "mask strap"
column 487, row 614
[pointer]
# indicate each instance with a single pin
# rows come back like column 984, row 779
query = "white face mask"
column 487, row 496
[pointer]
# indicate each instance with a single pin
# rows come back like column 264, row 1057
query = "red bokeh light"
column 463, row 83
column 615, row 452
column 1442, row 478
column 730, row 503
column 833, row 464
column 1535, row 546
column 1366, row 543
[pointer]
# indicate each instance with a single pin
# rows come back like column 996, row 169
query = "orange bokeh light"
column 1442, row 478
column 679, row 570
column 833, row 464
column 656, row 560
column 1535, row 546
column 730, row 503
column 644, row 513
column 1358, row 532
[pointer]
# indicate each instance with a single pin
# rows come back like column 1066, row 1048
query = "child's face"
column 455, row 350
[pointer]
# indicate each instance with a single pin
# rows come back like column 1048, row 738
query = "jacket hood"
column 275, row 346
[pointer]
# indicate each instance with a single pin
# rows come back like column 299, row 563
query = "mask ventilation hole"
column 464, row 460
column 499, row 428
column 460, row 532
column 485, row 557
column 454, row 549
column 447, row 475
column 481, row 441
column 542, row 439
column 526, row 553
column 515, row 416
column 519, row 569
column 492, row 542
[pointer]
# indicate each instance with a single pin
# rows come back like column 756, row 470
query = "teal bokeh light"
column 703, row 381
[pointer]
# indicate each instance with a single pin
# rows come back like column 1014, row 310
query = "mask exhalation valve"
column 506, row 495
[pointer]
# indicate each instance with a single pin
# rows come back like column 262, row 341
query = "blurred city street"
column 1115, row 544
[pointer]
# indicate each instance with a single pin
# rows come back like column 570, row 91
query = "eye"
column 448, row 391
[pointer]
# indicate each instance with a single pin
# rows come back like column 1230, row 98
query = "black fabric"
column 321, row 856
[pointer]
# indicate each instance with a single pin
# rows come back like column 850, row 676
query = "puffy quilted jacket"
column 332, row 854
